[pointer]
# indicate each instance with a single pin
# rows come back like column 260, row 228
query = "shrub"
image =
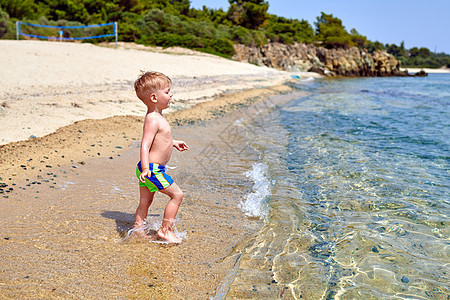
column 162, row 29
column 4, row 23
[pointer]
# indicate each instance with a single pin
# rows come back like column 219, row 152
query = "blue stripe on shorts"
column 158, row 179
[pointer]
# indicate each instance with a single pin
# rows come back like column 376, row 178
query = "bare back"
column 157, row 142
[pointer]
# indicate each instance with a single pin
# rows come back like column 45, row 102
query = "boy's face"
column 163, row 97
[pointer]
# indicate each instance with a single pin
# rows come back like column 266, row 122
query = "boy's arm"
column 151, row 127
column 180, row 145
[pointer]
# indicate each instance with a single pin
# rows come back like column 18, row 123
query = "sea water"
column 353, row 187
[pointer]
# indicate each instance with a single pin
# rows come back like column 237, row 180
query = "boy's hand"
column 180, row 145
column 145, row 172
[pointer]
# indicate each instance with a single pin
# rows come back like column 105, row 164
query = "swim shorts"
column 158, row 179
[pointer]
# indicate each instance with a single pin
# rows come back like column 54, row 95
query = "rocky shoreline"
column 353, row 62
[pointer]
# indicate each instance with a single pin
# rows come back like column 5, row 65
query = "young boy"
column 153, row 88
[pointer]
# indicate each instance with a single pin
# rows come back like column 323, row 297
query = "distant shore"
column 427, row 70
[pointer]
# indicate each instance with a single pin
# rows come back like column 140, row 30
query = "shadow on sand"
column 124, row 221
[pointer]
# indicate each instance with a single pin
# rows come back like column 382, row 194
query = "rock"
column 405, row 279
column 421, row 73
column 329, row 62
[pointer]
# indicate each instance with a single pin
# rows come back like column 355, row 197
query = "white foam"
column 239, row 122
column 66, row 184
column 254, row 204
column 154, row 223
column 115, row 188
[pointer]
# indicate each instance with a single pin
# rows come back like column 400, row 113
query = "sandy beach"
column 56, row 84
column 436, row 71
column 70, row 130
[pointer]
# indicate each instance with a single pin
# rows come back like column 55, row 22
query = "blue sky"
column 419, row 23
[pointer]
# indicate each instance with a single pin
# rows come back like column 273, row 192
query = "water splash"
column 149, row 228
column 255, row 203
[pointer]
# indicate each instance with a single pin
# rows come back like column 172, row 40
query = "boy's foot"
column 169, row 236
column 140, row 232
column 166, row 233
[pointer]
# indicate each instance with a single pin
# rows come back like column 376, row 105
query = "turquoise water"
column 353, row 187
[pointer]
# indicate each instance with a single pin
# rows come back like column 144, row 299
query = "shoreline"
column 75, row 143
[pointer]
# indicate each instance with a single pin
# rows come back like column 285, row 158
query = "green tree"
column 161, row 28
column 422, row 52
column 283, row 30
column 331, row 32
column 126, row 5
column 358, row 40
column 4, row 23
column 374, row 46
column 22, row 10
column 175, row 7
column 175, row 23
column 218, row 16
column 248, row 37
column 182, row 6
column 250, row 14
column 128, row 29
column 68, row 10
column 397, row 51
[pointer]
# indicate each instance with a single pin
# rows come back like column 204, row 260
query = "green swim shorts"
column 158, row 179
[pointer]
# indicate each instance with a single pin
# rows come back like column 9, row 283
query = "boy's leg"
column 145, row 200
column 176, row 196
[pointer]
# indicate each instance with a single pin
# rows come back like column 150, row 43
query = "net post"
column 17, row 30
column 115, row 31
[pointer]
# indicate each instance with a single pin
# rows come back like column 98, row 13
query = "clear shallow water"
column 353, row 185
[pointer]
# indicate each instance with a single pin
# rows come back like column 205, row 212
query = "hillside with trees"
column 174, row 23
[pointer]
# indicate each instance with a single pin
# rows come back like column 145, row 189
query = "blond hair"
column 150, row 82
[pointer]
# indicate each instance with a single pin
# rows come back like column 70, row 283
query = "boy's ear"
column 153, row 97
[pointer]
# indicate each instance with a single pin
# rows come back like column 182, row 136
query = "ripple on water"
column 359, row 208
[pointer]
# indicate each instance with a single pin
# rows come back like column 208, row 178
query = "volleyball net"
column 66, row 33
